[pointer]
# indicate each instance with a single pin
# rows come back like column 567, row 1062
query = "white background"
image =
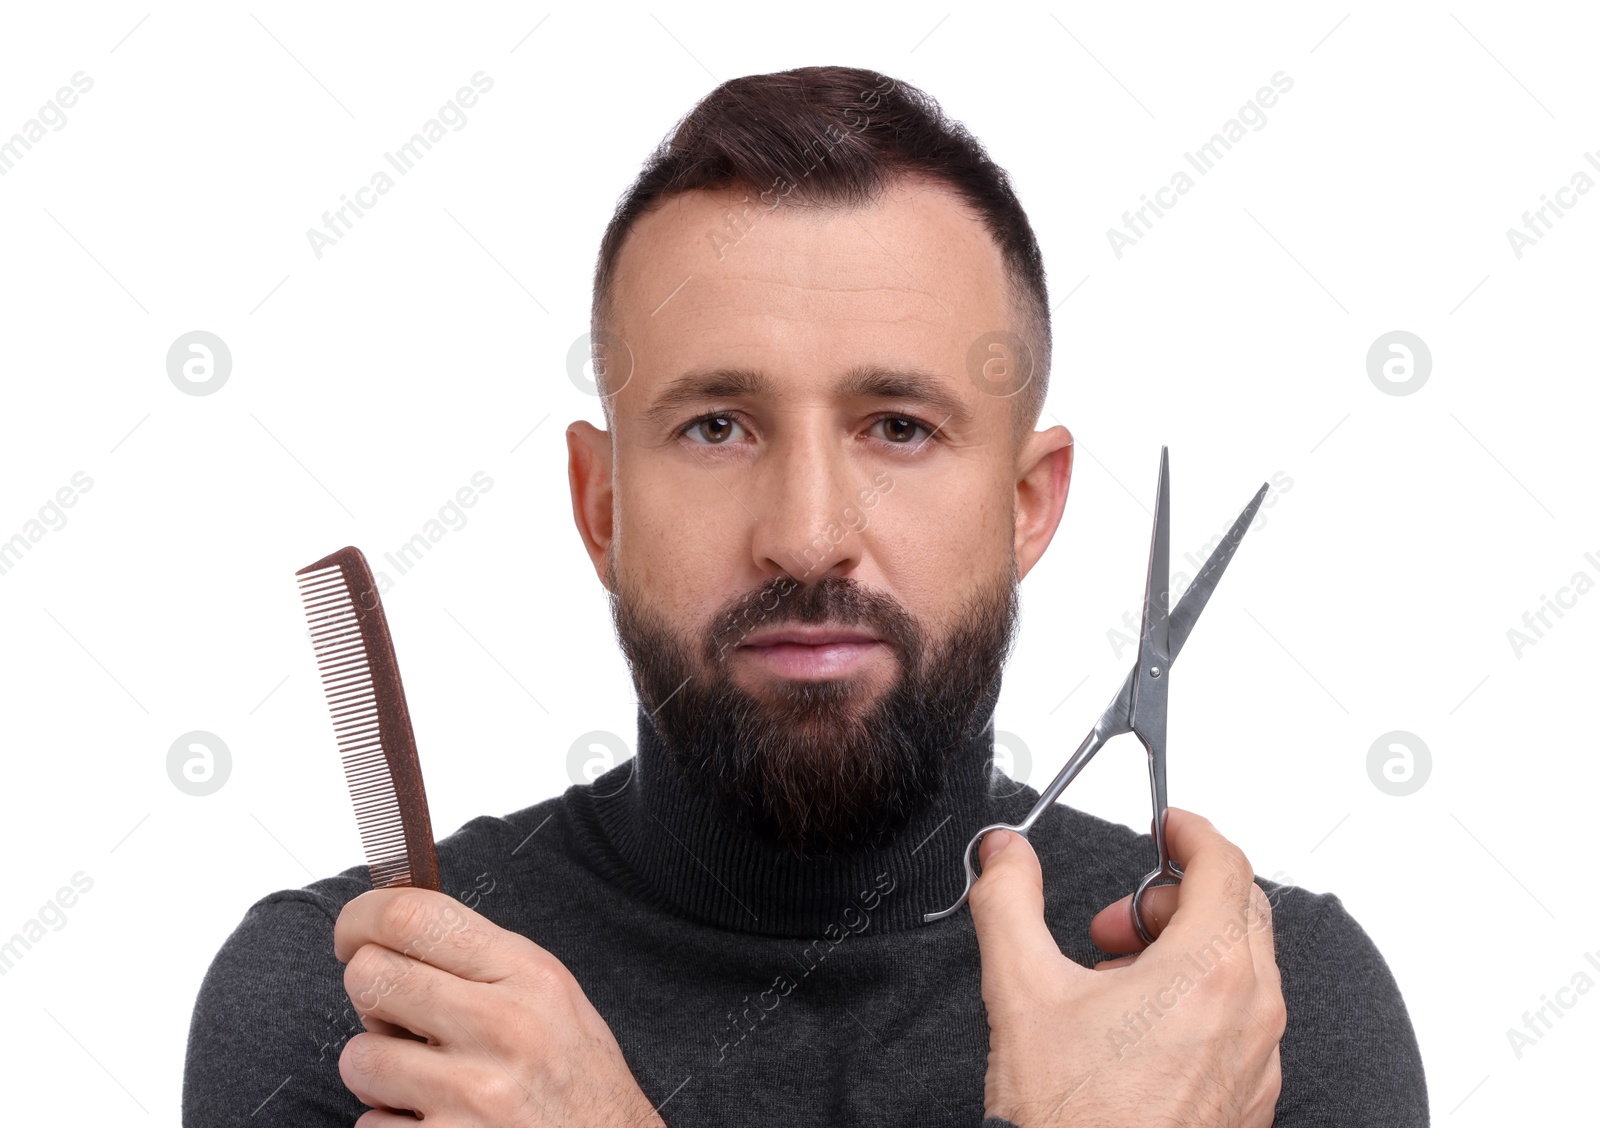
column 369, row 385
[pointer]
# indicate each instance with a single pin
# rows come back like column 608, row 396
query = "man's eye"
column 715, row 430
column 900, row 430
column 720, row 429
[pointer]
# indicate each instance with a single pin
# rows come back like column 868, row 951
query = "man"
column 822, row 337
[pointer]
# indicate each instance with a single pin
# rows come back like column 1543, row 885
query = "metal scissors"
column 1140, row 706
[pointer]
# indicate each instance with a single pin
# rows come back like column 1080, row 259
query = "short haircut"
column 859, row 131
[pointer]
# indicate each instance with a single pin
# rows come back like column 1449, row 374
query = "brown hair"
column 837, row 136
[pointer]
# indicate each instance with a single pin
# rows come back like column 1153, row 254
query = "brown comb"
column 361, row 681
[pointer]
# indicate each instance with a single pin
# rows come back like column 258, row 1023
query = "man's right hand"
column 1185, row 1032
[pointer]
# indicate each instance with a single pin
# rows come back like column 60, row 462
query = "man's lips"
column 808, row 636
column 811, row 652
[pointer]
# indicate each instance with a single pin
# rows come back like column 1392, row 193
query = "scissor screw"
column 1155, row 671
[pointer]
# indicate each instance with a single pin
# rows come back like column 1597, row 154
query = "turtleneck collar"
column 661, row 842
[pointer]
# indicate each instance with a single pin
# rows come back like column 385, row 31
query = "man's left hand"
column 468, row 1023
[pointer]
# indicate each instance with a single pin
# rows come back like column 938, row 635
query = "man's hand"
column 1185, row 1032
column 471, row 1024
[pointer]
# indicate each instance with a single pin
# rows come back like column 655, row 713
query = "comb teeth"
column 354, row 675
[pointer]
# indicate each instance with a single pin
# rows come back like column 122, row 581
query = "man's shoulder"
column 483, row 852
column 485, row 843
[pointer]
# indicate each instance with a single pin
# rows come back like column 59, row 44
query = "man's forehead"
column 863, row 296
column 916, row 238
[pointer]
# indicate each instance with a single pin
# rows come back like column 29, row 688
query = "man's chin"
column 822, row 710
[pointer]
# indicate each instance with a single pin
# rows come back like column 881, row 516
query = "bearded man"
column 822, row 345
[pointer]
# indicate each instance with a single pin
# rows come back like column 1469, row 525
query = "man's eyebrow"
column 704, row 384
column 865, row 381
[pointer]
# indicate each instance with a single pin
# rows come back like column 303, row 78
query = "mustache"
column 837, row 600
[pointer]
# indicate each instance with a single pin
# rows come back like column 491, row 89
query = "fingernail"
column 993, row 842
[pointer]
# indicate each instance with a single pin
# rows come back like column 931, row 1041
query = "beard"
column 819, row 766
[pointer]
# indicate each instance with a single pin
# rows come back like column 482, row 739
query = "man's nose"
column 809, row 520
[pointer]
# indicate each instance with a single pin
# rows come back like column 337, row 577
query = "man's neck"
column 698, row 863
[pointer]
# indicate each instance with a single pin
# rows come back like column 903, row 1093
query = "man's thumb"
column 1007, row 904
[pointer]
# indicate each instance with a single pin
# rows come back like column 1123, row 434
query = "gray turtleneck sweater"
column 746, row 986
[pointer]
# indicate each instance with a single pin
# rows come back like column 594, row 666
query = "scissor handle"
column 1168, row 873
column 971, row 852
column 1152, row 732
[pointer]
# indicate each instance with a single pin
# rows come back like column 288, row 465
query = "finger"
column 393, row 1074
column 385, row 1118
column 1007, row 901
column 433, row 927
column 1112, row 928
column 1217, row 877
column 408, row 997
column 1119, row 961
column 381, row 1026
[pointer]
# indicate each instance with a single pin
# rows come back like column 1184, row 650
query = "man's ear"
column 589, row 476
column 1044, row 473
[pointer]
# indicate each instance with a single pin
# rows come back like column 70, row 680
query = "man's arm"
column 1349, row 1054
column 269, row 1022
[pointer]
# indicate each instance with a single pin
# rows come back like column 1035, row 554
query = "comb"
column 361, row 682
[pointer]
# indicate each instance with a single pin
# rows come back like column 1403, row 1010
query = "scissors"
column 1140, row 706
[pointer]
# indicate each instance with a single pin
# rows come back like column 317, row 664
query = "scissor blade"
column 1194, row 599
column 1154, row 630
column 1118, row 715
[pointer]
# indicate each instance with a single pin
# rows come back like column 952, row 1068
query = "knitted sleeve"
column 1349, row 1054
column 269, row 1022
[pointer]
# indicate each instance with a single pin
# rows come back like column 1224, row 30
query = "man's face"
column 811, row 520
